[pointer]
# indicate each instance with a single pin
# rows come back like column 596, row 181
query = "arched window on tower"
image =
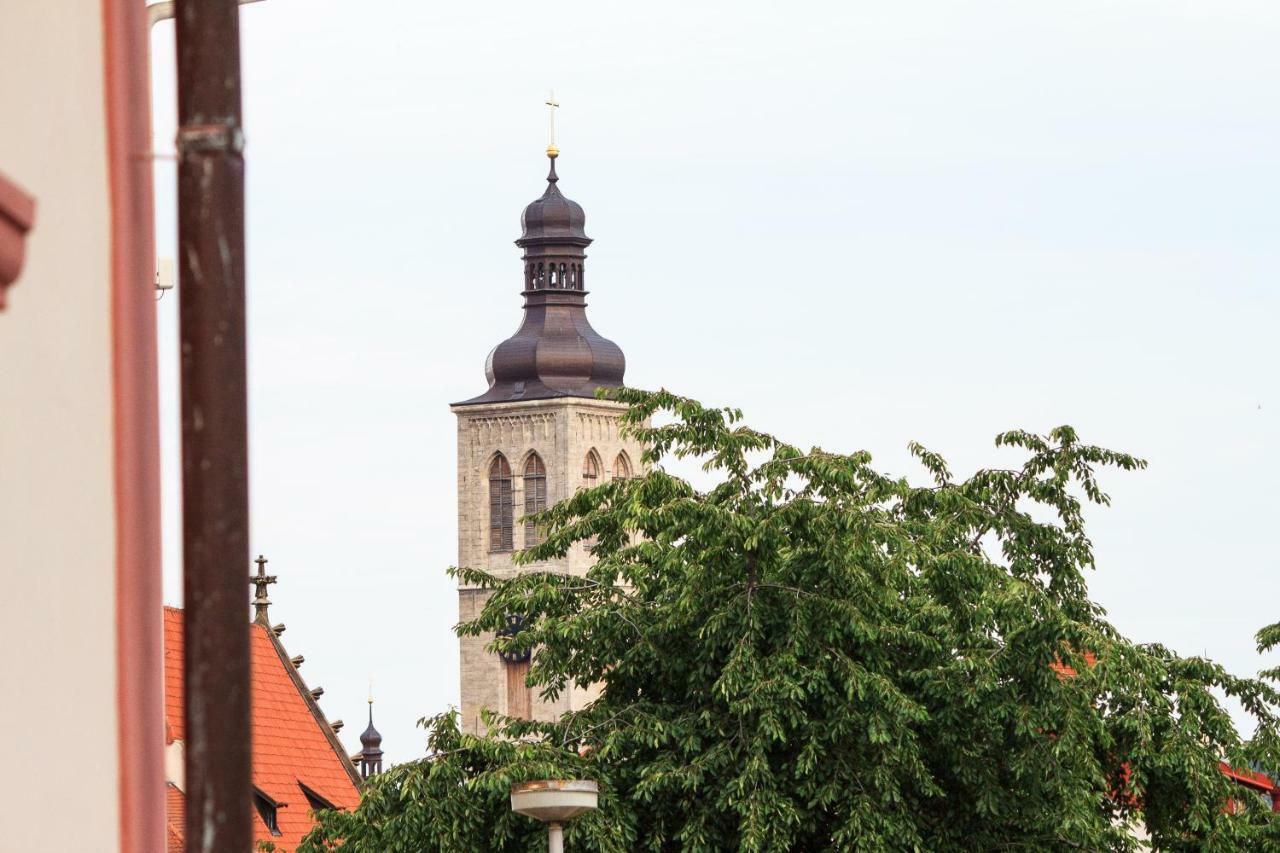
column 535, row 496
column 500, row 506
column 622, row 467
column 590, row 477
column 591, row 469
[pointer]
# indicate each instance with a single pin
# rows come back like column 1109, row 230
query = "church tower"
column 535, row 436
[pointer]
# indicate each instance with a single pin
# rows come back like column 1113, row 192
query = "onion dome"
column 555, row 352
column 553, row 217
column 370, row 737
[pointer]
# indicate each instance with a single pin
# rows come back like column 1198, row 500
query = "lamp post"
column 553, row 801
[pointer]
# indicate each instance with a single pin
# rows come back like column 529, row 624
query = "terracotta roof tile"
column 175, row 811
column 289, row 744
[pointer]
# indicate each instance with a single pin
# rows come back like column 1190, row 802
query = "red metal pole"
column 215, row 493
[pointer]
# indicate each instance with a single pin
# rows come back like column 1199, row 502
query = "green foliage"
column 456, row 800
column 815, row 656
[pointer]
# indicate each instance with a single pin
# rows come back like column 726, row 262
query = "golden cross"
column 552, row 104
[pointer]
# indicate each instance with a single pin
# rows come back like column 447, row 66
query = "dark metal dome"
column 370, row 738
column 555, row 352
column 553, row 217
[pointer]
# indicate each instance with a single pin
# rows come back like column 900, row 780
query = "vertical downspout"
column 136, row 429
column 215, row 493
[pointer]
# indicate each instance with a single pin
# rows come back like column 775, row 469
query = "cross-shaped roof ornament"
column 552, row 105
column 261, row 581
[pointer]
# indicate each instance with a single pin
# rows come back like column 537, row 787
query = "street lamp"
column 553, row 801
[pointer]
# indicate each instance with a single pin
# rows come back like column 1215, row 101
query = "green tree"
column 815, row 656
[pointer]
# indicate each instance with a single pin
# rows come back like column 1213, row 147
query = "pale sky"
column 861, row 222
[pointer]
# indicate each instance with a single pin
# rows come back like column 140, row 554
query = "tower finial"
column 261, row 581
column 552, row 151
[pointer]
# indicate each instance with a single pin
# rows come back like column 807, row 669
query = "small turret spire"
column 261, row 581
column 371, row 741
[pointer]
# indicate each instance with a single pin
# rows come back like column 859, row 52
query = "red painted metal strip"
column 139, row 649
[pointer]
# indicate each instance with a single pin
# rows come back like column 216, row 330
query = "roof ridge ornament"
column 261, row 581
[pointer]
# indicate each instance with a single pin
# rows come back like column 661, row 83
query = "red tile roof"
column 1259, row 782
column 175, row 812
column 291, row 746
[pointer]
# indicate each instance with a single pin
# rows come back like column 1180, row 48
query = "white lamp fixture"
column 553, row 801
column 166, row 277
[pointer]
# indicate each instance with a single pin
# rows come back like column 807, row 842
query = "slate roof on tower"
column 555, row 352
column 293, row 746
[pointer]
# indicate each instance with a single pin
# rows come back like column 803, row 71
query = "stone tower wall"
column 562, row 431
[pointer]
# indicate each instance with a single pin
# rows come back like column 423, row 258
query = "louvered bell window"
column 535, row 497
column 501, row 509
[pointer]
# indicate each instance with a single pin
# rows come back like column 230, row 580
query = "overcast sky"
column 861, row 222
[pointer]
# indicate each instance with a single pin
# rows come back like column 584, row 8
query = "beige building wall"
column 562, row 431
column 57, row 513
